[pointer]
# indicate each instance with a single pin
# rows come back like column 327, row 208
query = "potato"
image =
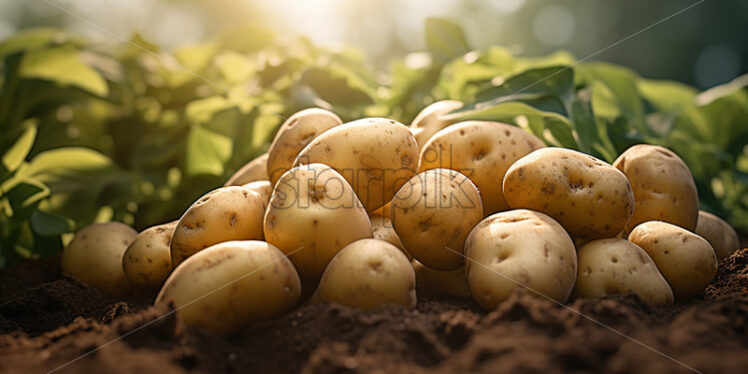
column 429, row 121
column 441, row 282
column 224, row 214
column 433, row 214
column 663, row 186
column 483, row 151
column 94, row 257
column 231, row 285
column 590, row 198
column 264, row 188
column 519, row 248
column 293, row 135
column 366, row 274
column 147, row 261
column 617, row 266
column 381, row 228
column 255, row 170
column 375, row 155
column 313, row 214
column 686, row 260
column 718, row 233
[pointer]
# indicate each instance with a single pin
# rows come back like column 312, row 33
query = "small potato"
column 264, row 188
column 450, row 282
column 293, row 135
column 663, row 186
column 483, row 151
column 590, row 198
column 231, row 285
column 224, row 214
column 519, row 248
column 147, row 261
column 255, row 170
column 433, row 213
column 94, row 257
column 366, row 274
column 429, row 121
column 375, row 155
column 617, row 266
column 686, row 260
column 382, row 229
column 718, row 233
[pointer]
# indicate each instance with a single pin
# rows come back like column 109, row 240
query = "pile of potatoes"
column 358, row 213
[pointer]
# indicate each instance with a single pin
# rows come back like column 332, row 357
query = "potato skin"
column 429, row 120
column 663, row 186
column 366, row 274
column 723, row 238
column 382, row 229
column 481, row 150
column 147, row 261
column 433, row 213
column 519, row 248
column 451, row 282
column 255, row 170
column 590, row 198
column 94, row 257
column 264, row 188
column 224, row 214
column 686, row 260
column 617, row 266
column 375, row 155
column 293, row 135
column 231, row 285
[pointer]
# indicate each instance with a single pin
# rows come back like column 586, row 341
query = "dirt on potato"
column 51, row 323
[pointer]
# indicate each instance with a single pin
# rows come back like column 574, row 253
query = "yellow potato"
column 483, row 151
column 441, row 282
column 147, row 261
column 519, row 248
column 589, row 197
column 231, row 285
column 255, row 170
column 686, row 260
column 382, row 229
column 264, row 188
column 718, row 233
column 617, row 266
column 429, row 121
column 433, row 213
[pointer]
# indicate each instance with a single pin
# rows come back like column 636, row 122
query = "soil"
column 51, row 323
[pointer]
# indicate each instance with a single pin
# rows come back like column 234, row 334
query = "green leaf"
column 665, row 95
column 445, row 39
column 31, row 39
column 614, row 92
column 47, row 224
column 555, row 82
column 24, row 196
column 202, row 110
column 207, row 152
column 63, row 66
column 17, row 153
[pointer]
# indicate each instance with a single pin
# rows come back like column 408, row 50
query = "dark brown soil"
column 48, row 322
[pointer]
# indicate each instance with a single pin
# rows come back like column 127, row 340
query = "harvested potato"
column 433, row 213
column 617, row 266
column 375, row 155
column 293, row 135
column 366, row 274
column 519, row 248
column 147, row 261
column 663, row 186
column 224, row 214
column 481, row 150
column 429, row 121
column 231, row 285
column 94, row 257
column 590, row 198
column 264, row 188
column 686, row 260
column 313, row 214
column 382, row 229
column 441, row 282
column 255, row 170
column 718, row 233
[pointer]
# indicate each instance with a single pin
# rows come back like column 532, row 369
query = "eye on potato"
column 382, row 229
column 231, row 285
column 293, row 135
column 481, row 150
column 617, row 266
column 94, row 257
column 441, row 282
column 590, row 198
column 366, row 274
column 429, row 121
column 718, row 233
column 255, row 170
column 663, row 186
column 686, row 260
column 519, row 248
column 433, row 213
column 224, row 214
column 147, row 261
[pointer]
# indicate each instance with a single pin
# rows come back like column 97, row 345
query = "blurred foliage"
column 135, row 134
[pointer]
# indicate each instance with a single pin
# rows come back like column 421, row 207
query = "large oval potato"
column 375, row 155
column 224, row 214
column 519, row 248
column 429, row 120
column 686, row 260
column 433, row 214
column 94, row 256
column 255, row 170
column 589, row 197
column 617, row 266
column 313, row 214
column 718, row 233
column 441, row 282
column 366, row 274
column 293, row 135
column 231, row 285
column 147, row 261
column 483, row 151
column 663, row 186
column 382, row 229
